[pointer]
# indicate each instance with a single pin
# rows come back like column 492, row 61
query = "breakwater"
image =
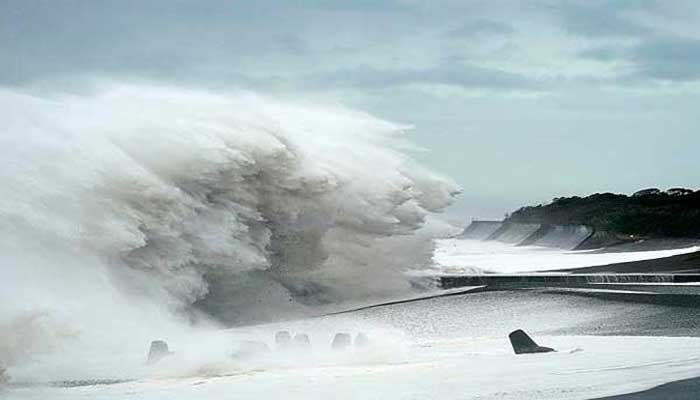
column 481, row 230
column 568, row 237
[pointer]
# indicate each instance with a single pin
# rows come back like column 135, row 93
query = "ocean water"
column 446, row 348
column 440, row 348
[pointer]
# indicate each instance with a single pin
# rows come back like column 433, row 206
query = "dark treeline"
column 648, row 213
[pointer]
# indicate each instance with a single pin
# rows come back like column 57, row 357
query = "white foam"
column 468, row 256
column 485, row 368
column 122, row 207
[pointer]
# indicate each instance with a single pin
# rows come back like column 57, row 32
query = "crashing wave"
column 147, row 201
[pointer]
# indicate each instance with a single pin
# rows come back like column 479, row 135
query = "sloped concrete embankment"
column 567, row 237
column 601, row 239
column 480, row 230
column 513, row 233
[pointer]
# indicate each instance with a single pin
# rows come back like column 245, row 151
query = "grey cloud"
column 598, row 19
column 40, row 39
column 359, row 5
column 606, row 53
column 468, row 76
column 674, row 59
column 659, row 58
column 481, row 26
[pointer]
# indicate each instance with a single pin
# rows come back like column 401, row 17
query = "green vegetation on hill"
column 648, row 213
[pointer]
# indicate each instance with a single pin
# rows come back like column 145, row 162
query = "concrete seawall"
column 564, row 280
column 600, row 239
column 567, row 237
column 514, row 233
column 663, row 289
column 480, row 230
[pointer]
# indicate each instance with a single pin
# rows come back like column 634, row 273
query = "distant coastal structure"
column 598, row 220
column 648, row 213
column 568, row 237
column 481, row 229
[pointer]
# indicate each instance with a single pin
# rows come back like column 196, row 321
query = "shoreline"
column 684, row 389
column 681, row 263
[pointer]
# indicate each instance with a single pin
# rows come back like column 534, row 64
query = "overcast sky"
column 518, row 101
